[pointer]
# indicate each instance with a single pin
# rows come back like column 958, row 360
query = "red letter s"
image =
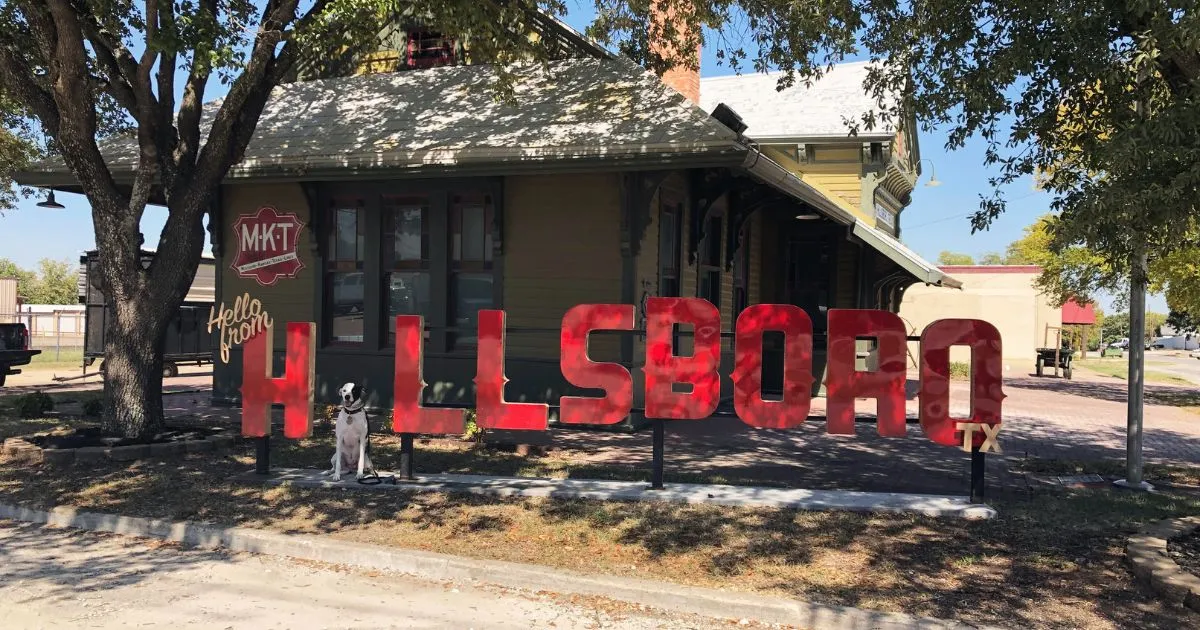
column 581, row 371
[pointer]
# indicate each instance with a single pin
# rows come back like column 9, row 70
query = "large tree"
column 82, row 69
column 1076, row 271
column 1098, row 95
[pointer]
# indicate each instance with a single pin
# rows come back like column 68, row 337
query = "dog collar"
column 356, row 407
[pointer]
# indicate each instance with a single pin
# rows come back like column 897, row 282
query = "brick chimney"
column 685, row 80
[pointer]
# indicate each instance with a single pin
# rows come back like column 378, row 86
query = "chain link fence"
column 58, row 333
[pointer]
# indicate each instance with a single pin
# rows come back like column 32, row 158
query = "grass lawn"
column 1119, row 368
column 1052, row 559
column 72, row 357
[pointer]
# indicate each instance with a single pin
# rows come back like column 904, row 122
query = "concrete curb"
column 27, row 452
column 1153, row 566
column 435, row 566
column 945, row 506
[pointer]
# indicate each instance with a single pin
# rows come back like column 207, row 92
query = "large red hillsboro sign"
column 266, row 243
column 663, row 368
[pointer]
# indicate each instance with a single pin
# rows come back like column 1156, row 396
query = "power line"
column 965, row 214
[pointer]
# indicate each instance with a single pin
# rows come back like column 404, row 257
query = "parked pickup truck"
column 14, row 349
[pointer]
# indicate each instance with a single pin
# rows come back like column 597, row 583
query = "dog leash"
column 373, row 479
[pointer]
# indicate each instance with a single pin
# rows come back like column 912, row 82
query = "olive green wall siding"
column 289, row 299
column 562, row 247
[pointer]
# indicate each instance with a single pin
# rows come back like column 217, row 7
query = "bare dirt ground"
column 62, row 578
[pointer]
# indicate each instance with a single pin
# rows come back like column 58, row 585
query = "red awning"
column 1074, row 313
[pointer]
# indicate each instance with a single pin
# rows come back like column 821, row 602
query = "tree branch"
column 76, row 107
column 117, row 85
column 252, row 87
column 190, row 108
column 17, row 79
column 168, row 137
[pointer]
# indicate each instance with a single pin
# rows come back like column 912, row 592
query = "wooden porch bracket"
column 638, row 190
column 706, row 187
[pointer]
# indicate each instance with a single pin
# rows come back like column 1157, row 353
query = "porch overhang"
column 904, row 257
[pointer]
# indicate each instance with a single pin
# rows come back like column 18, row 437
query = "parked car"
column 14, row 349
column 1195, row 354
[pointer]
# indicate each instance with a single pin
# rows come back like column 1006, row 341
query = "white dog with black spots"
column 353, row 435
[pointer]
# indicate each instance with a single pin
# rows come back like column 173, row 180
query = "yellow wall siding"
column 289, row 299
column 559, row 254
column 647, row 258
column 847, row 275
column 848, row 186
column 836, row 153
column 726, row 296
column 840, row 181
column 754, row 291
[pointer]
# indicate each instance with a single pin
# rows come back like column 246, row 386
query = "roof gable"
column 800, row 111
column 598, row 108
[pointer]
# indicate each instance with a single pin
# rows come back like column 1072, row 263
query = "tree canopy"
column 955, row 258
column 54, row 282
column 1098, row 97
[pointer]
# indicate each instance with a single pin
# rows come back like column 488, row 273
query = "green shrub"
column 472, row 430
column 34, row 405
column 960, row 370
column 93, row 407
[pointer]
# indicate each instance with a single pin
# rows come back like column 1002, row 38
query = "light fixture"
column 933, row 180
column 808, row 216
column 50, row 202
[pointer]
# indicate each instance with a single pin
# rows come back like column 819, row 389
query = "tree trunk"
column 133, row 367
column 144, row 300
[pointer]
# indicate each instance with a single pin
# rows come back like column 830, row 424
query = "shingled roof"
column 581, row 109
column 800, row 111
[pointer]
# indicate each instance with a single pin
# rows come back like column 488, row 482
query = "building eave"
column 905, row 258
column 464, row 162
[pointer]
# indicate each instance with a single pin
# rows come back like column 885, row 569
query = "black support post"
column 406, row 456
column 262, row 455
column 656, row 473
column 978, row 463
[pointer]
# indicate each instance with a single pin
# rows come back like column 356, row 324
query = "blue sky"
column 938, row 218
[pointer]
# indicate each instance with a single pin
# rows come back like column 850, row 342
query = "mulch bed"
column 1185, row 551
column 94, row 436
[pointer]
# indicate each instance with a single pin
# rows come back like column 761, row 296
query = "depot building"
column 398, row 185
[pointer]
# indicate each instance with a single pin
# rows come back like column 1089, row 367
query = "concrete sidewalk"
column 663, row 596
column 62, row 578
column 601, row 490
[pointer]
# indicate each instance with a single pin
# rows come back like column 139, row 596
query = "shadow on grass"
column 1051, row 559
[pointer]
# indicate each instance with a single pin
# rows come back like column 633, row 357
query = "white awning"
column 908, row 260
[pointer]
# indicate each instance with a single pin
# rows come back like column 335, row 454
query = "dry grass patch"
column 1051, row 560
column 1154, row 473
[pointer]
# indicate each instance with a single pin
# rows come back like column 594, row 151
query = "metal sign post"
column 1137, row 350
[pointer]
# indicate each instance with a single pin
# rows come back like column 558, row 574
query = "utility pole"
column 1137, row 349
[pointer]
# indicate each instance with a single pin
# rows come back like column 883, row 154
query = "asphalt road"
column 63, row 578
column 1176, row 363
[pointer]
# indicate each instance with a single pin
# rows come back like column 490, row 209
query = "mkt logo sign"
column 266, row 243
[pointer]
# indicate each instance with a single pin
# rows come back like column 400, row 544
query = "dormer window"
column 427, row 49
